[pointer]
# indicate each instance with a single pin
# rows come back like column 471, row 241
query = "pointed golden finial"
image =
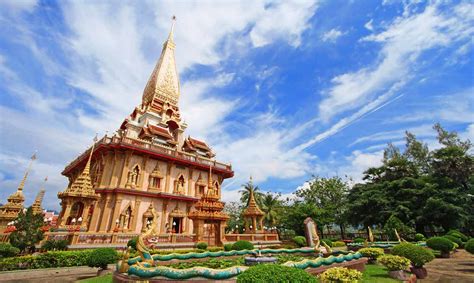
column 87, row 169
column 210, row 175
column 171, row 35
column 39, row 199
column 22, row 183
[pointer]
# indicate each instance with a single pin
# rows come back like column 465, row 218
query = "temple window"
column 126, row 218
column 155, row 182
column 76, row 213
column 179, row 188
column 201, row 190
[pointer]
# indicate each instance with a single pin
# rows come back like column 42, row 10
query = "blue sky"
column 281, row 89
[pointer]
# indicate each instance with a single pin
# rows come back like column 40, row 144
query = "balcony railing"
column 155, row 147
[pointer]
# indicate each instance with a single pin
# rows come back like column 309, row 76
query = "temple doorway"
column 177, row 225
column 211, row 231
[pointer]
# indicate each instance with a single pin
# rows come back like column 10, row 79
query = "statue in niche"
column 180, row 185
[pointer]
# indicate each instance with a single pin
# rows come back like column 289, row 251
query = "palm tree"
column 271, row 205
column 247, row 189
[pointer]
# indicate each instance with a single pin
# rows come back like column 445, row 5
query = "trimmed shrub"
column 132, row 243
column 455, row 240
column 394, row 262
column 7, row 250
column 328, row 242
column 469, row 246
column 440, row 244
column 419, row 237
column 300, row 241
column 227, row 247
column 53, row 245
column 102, row 257
column 416, row 254
column 458, row 234
column 201, row 246
column 46, row 260
column 372, row 253
column 242, row 245
column 215, row 249
column 263, row 273
column 359, row 240
column 340, row 274
column 338, row 244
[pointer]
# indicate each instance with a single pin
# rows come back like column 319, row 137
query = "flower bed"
column 46, row 260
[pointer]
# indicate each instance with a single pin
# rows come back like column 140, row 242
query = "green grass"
column 101, row 279
column 372, row 274
column 376, row 273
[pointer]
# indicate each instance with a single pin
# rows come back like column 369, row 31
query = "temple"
column 148, row 163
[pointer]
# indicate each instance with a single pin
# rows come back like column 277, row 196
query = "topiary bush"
column 242, row 245
column 372, row 253
column 394, row 262
column 263, row 273
column 201, row 246
column 46, row 260
column 132, row 243
column 328, row 242
column 53, row 245
column 338, row 244
column 458, row 234
column 359, row 240
column 340, row 274
column 7, row 250
column 102, row 257
column 440, row 244
column 469, row 247
column 227, row 247
column 455, row 240
column 419, row 237
column 300, row 241
column 416, row 254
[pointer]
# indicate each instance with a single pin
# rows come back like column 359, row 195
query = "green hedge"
column 7, row 250
column 328, row 242
column 454, row 240
column 416, row 254
column 263, row 273
column 242, row 245
column 46, row 260
column 227, row 247
column 419, row 237
column 102, row 257
column 440, row 244
column 201, row 246
column 470, row 246
column 300, row 241
column 458, row 234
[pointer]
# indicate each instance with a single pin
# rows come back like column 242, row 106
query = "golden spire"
column 171, row 35
column 39, row 199
column 22, row 183
column 82, row 186
column 210, row 175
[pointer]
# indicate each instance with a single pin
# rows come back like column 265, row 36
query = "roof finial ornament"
column 171, row 35
column 22, row 183
column 88, row 164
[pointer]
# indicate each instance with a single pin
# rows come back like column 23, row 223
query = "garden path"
column 458, row 268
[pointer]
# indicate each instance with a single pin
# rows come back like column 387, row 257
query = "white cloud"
column 332, row 35
column 19, row 5
column 420, row 131
column 368, row 25
column 403, row 41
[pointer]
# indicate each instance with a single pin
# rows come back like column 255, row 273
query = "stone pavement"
column 50, row 275
column 458, row 268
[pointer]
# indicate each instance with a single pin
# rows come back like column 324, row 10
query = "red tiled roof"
column 200, row 144
column 159, row 131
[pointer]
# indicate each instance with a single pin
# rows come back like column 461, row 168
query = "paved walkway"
column 458, row 268
column 50, row 275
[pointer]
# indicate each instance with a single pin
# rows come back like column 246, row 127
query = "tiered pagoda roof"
column 252, row 207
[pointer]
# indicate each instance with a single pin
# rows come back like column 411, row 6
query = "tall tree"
column 271, row 206
column 245, row 193
column 28, row 232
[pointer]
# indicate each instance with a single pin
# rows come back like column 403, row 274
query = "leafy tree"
column 330, row 197
column 234, row 210
column 28, row 232
column 271, row 206
column 404, row 231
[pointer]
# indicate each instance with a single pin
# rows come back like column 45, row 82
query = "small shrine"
column 209, row 218
column 253, row 215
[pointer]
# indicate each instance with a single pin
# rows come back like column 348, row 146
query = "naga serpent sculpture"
column 143, row 250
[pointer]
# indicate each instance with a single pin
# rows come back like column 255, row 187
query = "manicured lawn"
column 373, row 274
column 376, row 273
column 102, row 279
